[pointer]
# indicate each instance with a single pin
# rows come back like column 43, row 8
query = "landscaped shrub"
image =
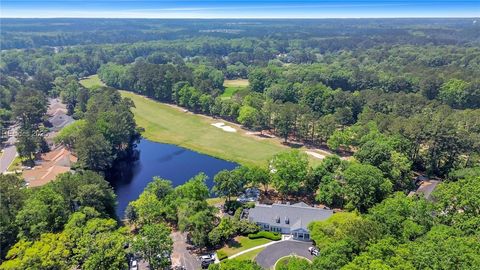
column 275, row 236
column 249, row 205
column 221, row 255
column 246, row 227
column 231, row 206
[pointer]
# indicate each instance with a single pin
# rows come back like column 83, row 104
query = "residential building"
column 287, row 219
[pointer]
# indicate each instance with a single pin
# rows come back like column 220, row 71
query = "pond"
column 167, row 161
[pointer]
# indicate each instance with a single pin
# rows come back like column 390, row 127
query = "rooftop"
column 427, row 187
column 52, row 164
column 294, row 216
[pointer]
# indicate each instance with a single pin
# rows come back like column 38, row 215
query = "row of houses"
column 59, row 159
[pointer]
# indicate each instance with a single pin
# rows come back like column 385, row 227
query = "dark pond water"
column 167, row 161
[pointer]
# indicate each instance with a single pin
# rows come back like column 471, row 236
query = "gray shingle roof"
column 299, row 215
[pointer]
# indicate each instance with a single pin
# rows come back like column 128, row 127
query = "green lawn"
column 241, row 243
column 234, row 86
column 236, row 83
column 92, row 81
column 169, row 124
column 16, row 164
column 164, row 123
column 215, row 201
column 251, row 255
column 230, row 91
column 284, row 260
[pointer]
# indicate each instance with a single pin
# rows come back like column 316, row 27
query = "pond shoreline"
column 168, row 161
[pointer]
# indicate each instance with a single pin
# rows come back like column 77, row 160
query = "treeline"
column 378, row 228
column 300, row 103
column 71, row 223
column 325, row 34
column 106, row 133
column 405, row 232
column 67, row 223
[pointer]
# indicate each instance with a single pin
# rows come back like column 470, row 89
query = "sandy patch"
column 226, row 128
column 315, row 154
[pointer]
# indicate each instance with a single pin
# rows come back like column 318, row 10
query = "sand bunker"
column 224, row 127
column 314, row 154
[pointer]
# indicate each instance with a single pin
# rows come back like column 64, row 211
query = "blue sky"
column 237, row 9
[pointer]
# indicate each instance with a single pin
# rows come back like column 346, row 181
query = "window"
column 287, row 220
column 277, row 219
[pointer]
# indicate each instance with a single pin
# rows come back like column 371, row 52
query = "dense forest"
column 402, row 96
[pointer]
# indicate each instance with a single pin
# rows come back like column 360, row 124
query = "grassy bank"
column 165, row 123
column 92, row 81
column 170, row 124
column 234, row 86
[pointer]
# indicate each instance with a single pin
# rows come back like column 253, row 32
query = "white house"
column 287, row 219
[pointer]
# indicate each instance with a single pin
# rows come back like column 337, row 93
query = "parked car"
column 206, row 264
column 206, row 260
column 134, row 265
column 207, row 257
column 313, row 251
column 179, row 267
column 250, row 195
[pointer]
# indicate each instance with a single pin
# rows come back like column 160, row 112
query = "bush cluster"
column 275, row 236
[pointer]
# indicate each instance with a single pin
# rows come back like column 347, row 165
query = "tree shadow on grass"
column 233, row 244
column 292, row 144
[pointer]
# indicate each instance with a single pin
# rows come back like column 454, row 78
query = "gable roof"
column 299, row 215
column 52, row 164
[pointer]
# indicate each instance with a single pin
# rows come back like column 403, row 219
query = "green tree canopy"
column 289, row 171
column 154, row 244
column 364, row 186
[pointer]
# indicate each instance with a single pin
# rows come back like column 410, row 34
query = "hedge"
column 221, row 255
column 275, row 236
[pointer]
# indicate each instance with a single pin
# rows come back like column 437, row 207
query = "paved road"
column 272, row 253
column 9, row 153
column 181, row 255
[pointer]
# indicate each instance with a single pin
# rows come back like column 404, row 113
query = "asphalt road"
column 181, row 255
column 8, row 155
column 270, row 255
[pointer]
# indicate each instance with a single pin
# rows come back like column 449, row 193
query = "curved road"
column 270, row 255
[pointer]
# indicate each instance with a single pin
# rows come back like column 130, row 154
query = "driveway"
column 181, row 254
column 270, row 255
column 9, row 151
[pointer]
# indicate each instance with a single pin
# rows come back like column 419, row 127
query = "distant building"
column 425, row 189
column 52, row 164
column 287, row 219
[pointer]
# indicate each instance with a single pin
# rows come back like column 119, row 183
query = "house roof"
column 60, row 120
column 52, row 164
column 298, row 215
column 427, row 187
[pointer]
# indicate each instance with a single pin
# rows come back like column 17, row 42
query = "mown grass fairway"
column 236, row 83
column 92, row 81
column 234, row 86
column 168, row 124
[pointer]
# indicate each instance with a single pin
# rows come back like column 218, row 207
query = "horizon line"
column 251, row 18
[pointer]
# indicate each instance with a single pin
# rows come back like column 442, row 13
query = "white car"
column 134, row 265
column 314, row 251
column 207, row 258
